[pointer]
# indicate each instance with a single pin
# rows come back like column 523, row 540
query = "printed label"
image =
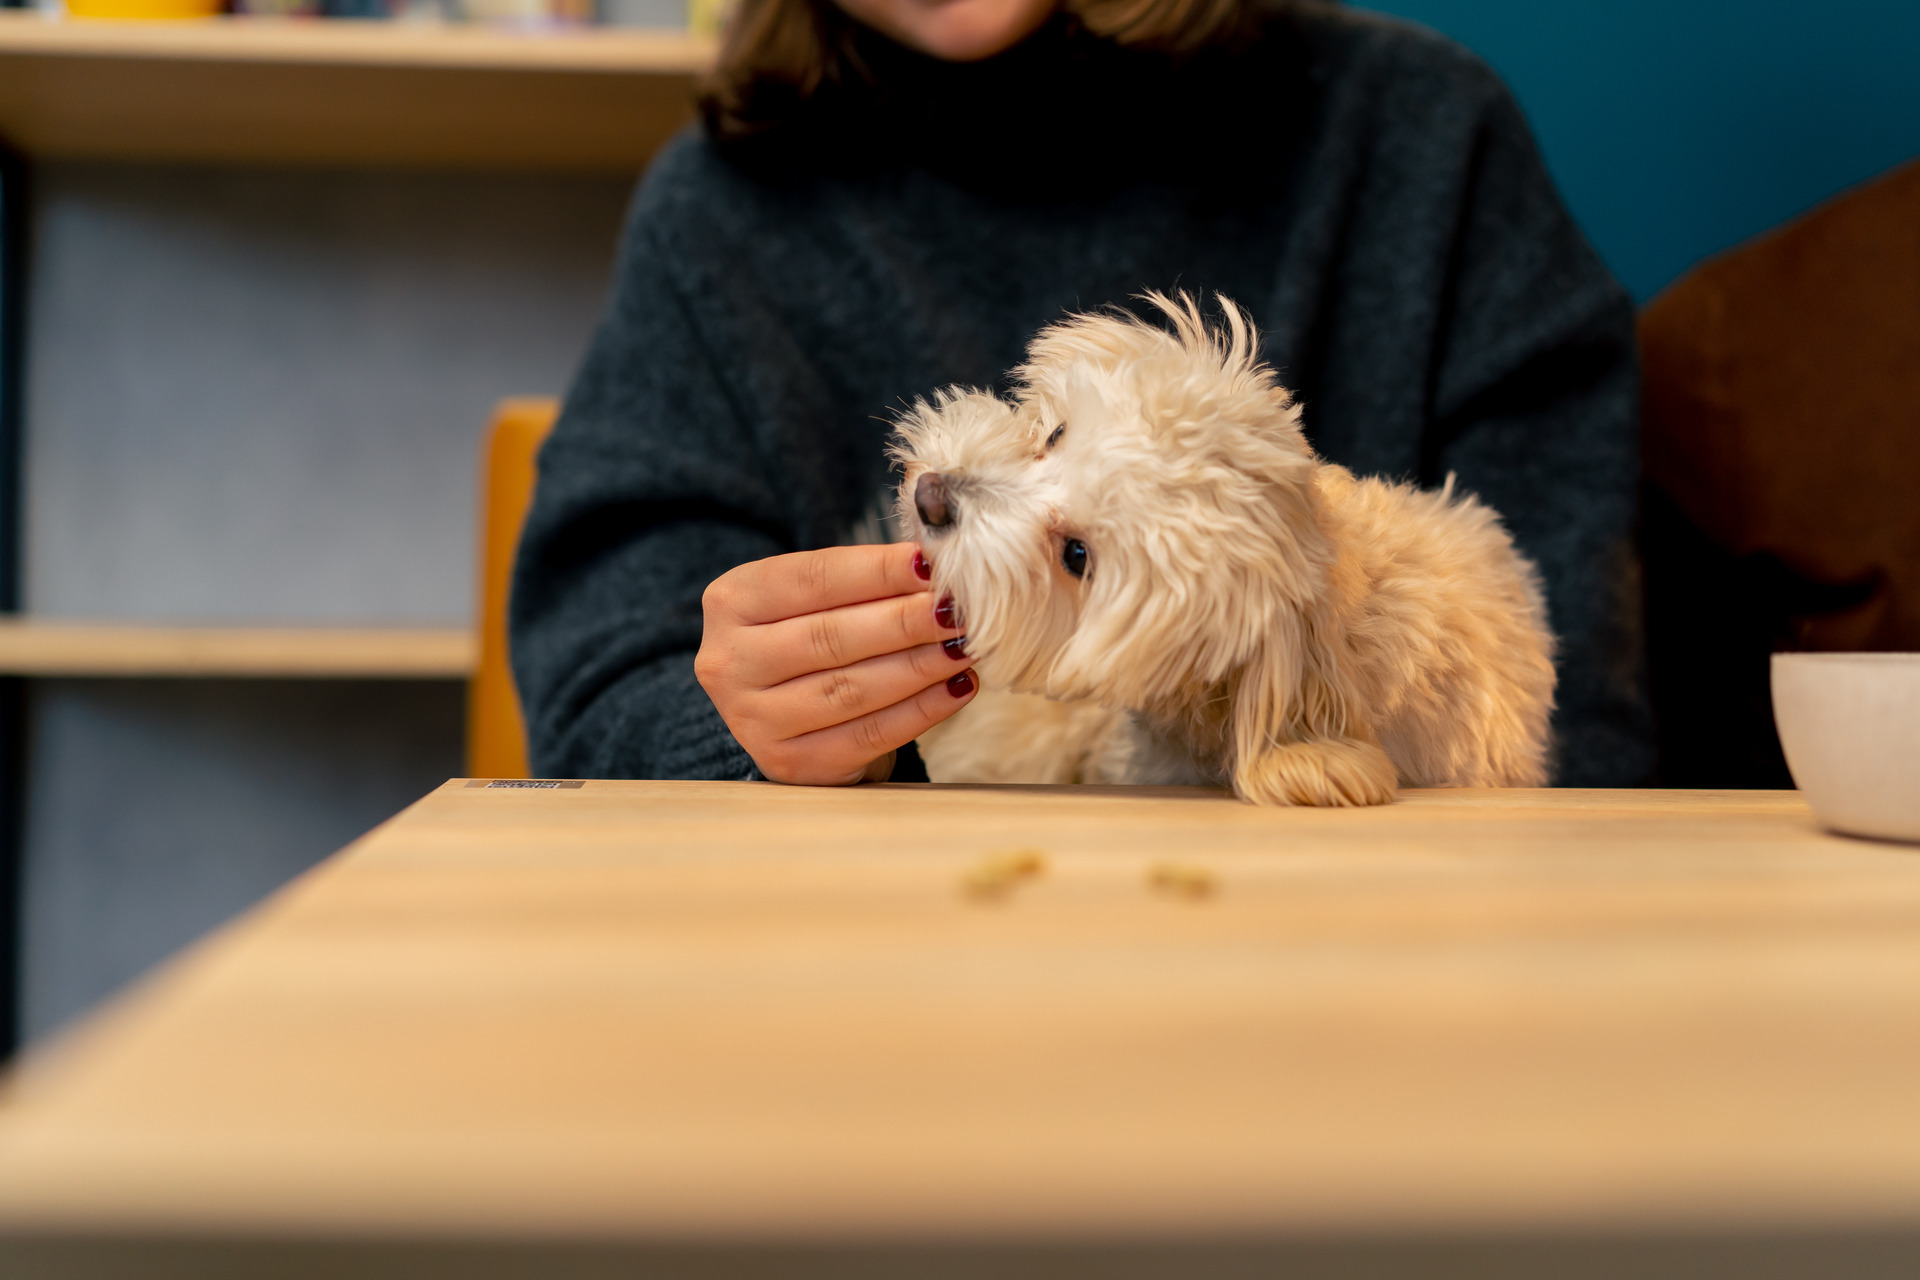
column 527, row 784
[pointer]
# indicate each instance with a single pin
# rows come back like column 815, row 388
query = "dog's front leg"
column 1300, row 733
column 1317, row 771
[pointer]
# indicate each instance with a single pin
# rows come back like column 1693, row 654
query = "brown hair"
column 777, row 54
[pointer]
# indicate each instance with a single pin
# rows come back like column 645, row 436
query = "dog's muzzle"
column 933, row 499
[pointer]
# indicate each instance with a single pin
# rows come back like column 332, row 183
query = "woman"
column 890, row 196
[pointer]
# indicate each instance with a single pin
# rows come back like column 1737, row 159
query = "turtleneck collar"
column 1064, row 112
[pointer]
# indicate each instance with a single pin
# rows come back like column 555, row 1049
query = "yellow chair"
column 496, row 732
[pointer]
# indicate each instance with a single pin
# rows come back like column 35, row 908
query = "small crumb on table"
column 999, row 874
column 1191, row 883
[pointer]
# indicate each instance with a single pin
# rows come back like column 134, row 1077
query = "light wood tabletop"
column 754, row 1022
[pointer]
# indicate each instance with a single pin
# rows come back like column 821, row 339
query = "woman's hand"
column 824, row 663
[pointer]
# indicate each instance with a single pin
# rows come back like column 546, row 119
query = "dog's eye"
column 1058, row 431
column 1073, row 557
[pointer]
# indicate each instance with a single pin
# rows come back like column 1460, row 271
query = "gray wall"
column 160, row 808
column 259, row 396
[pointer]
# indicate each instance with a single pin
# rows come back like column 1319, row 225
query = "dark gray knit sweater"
column 1369, row 191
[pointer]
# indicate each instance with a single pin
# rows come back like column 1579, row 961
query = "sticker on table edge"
column 526, row 784
column 997, row 875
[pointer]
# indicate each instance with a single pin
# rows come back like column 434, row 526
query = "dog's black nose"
column 933, row 501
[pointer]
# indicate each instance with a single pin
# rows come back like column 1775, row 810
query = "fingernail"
column 921, row 569
column 943, row 612
column 956, row 648
column 961, row 685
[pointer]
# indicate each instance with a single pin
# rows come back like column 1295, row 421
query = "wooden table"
column 716, row 1029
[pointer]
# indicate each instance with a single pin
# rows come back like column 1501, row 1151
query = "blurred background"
column 247, row 378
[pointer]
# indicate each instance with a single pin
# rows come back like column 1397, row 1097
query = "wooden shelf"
column 32, row 647
column 262, row 91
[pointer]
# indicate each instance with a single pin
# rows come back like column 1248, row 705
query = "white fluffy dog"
column 1143, row 539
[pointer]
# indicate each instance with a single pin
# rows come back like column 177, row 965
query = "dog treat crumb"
column 999, row 874
column 1191, row 883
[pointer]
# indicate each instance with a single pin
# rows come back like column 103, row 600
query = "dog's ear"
column 1299, row 733
column 1205, row 547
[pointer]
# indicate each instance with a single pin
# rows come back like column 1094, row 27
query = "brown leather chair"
column 1781, row 436
column 496, row 733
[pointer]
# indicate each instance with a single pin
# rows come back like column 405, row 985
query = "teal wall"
column 1677, row 128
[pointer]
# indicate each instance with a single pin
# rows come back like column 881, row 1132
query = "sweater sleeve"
column 1535, row 408
column 650, row 487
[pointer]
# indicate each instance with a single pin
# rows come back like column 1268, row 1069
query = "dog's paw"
column 1328, row 771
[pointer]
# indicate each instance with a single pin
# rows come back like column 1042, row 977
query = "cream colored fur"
column 1250, row 614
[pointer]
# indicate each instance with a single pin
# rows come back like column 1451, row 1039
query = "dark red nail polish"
column 956, row 648
column 921, row 569
column 961, row 685
column 943, row 612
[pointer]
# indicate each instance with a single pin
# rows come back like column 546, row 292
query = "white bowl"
column 1850, row 725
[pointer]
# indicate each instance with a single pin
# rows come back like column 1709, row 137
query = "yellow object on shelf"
column 145, row 10
column 708, row 17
